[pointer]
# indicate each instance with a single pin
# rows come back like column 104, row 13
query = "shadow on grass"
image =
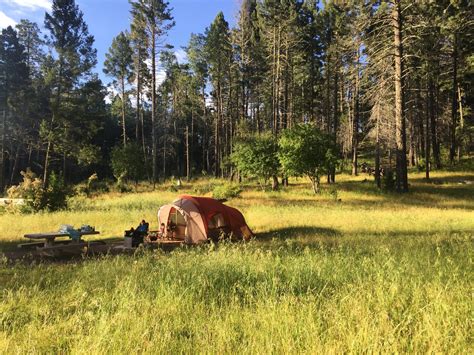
column 360, row 241
column 13, row 253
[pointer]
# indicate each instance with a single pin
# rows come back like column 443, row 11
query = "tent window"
column 217, row 221
column 176, row 218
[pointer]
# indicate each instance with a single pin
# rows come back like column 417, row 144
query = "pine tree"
column 29, row 36
column 157, row 21
column 13, row 84
column 74, row 57
column 118, row 65
column 219, row 54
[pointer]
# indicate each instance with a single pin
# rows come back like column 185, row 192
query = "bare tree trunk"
column 461, row 122
column 454, row 106
column 145, row 157
column 332, row 177
column 53, row 119
column 216, row 132
column 2, row 150
column 139, row 88
column 433, row 124
column 400, row 134
column 429, row 113
column 124, row 129
column 377, row 148
column 377, row 152
column 355, row 133
column 188, row 170
column 316, row 184
column 275, row 183
column 154, row 151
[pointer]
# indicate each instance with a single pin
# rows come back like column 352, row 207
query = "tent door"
column 177, row 224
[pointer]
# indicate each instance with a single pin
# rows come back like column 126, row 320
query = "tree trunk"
column 454, row 105
column 377, row 148
column 315, row 181
column 216, row 133
column 433, row 124
column 400, row 133
column 332, row 175
column 461, row 122
column 275, row 183
column 427, row 139
column 15, row 164
column 124, row 130
column 139, row 88
column 2, row 150
column 153, row 105
column 188, row 169
column 355, row 133
column 53, row 119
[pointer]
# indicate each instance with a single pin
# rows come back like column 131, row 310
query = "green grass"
column 369, row 273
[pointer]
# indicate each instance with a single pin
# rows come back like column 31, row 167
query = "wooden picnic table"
column 49, row 237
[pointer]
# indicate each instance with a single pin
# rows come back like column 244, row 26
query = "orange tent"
column 197, row 219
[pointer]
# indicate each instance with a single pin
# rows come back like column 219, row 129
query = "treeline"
column 389, row 79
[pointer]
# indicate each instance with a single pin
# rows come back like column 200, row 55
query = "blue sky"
column 106, row 18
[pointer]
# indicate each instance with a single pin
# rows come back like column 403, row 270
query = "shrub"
column 256, row 157
column 226, row 191
column 56, row 193
column 306, row 151
column 31, row 190
column 92, row 185
column 37, row 198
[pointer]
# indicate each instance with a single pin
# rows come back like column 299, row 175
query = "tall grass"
column 370, row 273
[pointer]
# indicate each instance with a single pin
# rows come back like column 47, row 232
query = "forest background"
column 388, row 81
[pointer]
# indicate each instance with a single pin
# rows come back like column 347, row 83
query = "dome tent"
column 197, row 219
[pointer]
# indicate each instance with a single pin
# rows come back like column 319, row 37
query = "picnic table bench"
column 48, row 239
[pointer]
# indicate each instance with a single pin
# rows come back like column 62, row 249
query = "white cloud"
column 6, row 21
column 181, row 56
column 30, row 4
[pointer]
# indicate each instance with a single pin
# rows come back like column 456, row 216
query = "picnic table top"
column 52, row 235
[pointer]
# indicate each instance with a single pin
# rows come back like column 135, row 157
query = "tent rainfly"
column 197, row 219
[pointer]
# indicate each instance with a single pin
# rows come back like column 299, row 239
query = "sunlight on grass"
column 349, row 271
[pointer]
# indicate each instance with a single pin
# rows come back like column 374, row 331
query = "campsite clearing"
column 371, row 272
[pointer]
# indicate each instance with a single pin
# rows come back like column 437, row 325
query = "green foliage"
column 256, row 157
column 203, row 189
column 56, row 194
column 88, row 155
column 226, row 191
column 127, row 163
column 118, row 63
column 305, row 151
column 30, row 189
column 36, row 198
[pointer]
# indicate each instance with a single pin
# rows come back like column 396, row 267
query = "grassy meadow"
column 350, row 270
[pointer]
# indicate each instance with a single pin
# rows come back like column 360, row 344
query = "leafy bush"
column 92, row 185
column 306, row 151
column 256, row 157
column 226, row 191
column 56, row 193
column 31, row 190
column 37, row 198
